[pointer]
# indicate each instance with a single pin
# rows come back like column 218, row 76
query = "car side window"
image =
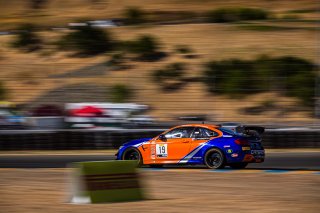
column 181, row 132
column 203, row 133
column 209, row 133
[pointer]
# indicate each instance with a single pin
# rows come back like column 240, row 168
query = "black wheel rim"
column 133, row 156
column 215, row 160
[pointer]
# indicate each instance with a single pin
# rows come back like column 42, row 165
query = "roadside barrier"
column 105, row 181
column 112, row 139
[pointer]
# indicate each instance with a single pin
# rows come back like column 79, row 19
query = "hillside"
column 31, row 76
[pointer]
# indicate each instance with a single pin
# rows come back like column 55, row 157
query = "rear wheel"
column 132, row 154
column 238, row 165
column 214, row 159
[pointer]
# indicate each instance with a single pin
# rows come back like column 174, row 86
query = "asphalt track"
column 275, row 161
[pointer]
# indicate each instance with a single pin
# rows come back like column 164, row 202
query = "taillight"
column 242, row 142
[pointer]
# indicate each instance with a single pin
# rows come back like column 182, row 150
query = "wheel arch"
column 131, row 148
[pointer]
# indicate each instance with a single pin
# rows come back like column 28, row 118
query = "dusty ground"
column 184, row 190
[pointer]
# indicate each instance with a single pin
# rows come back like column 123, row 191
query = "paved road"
column 289, row 160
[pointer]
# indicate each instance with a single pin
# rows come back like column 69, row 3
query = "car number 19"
column 162, row 150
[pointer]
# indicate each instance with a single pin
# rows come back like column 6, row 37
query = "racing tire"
column 214, row 159
column 238, row 165
column 133, row 154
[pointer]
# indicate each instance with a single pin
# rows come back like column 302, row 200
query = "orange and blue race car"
column 209, row 145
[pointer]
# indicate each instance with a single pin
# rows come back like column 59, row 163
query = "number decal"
column 162, row 150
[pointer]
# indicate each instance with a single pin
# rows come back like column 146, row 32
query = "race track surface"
column 285, row 160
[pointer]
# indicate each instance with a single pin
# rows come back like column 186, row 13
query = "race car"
column 211, row 145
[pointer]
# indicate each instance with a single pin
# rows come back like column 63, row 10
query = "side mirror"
column 162, row 137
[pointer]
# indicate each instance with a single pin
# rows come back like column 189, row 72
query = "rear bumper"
column 248, row 158
column 255, row 156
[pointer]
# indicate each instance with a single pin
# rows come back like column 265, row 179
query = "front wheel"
column 238, row 165
column 132, row 154
column 214, row 159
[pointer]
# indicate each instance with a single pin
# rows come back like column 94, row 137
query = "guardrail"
column 113, row 138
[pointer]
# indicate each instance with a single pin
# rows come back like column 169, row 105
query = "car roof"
column 209, row 126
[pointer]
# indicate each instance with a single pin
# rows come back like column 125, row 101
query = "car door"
column 173, row 147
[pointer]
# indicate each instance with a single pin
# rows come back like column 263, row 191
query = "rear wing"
column 246, row 129
column 253, row 130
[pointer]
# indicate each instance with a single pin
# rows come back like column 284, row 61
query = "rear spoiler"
column 239, row 128
column 258, row 129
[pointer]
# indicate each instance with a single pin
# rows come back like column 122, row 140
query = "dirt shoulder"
column 39, row 190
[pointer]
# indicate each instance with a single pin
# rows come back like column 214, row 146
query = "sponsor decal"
column 111, row 181
column 229, row 151
column 257, row 152
column 234, row 155
column 248, row 158
column 245, row 148
column 226, row 146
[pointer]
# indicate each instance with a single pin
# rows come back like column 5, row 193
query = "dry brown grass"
column 180, row 190
column 209, row 42
column 59, row 12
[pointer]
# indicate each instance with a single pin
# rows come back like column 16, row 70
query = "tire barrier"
column 105, row 181
column 112, row 139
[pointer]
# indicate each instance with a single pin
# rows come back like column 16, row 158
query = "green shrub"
column 26, row 38
column 170, row 77
column 37, row 4
column 87, row 40
column 173, row 71
column 3, row 91
column 145, row 46
column 120, row 93
column 183, row 49
column 292, row 76
column 134, row 15
column 116, row 59
column 223, row 15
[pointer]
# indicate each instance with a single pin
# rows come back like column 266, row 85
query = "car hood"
column 136, row 142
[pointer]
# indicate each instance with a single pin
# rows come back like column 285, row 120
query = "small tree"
column 134, row 15
column 87, row 40
column 26, row 38
column 120, row 93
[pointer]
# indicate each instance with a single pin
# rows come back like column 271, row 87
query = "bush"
column 134, row 15
column 145, row 46
column 223, row 15
column 26, row 38
column 183, row 49
column 3, row 91
column 171, row 71
column 37, row 4
column 291, row 75
column 170, row 77
column 87, row 41
column 120, row 93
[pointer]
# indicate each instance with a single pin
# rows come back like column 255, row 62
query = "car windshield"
column 228, row 131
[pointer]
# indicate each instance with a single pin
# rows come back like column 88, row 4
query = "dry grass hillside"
column 30, row 76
